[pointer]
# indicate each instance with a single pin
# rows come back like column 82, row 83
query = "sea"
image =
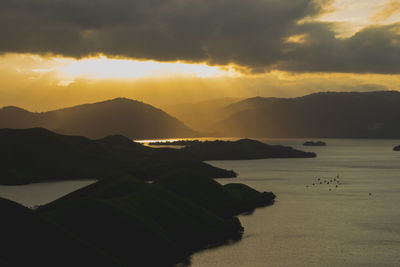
column 352, row 221
column 341, row 208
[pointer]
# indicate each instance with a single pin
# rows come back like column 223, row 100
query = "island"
column 243, row 149
column 312, row 143
column 396, row 148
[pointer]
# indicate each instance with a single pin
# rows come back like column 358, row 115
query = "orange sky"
column 40, row 82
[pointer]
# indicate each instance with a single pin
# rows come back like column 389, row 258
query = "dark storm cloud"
column 375, row 49
column 249, row 33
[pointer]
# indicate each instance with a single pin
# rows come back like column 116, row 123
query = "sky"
column 58, row 53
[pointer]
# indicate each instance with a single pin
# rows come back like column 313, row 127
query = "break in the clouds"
column 258, row 34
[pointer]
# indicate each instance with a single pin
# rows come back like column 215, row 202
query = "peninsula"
column 163, row 222
column 35, row 155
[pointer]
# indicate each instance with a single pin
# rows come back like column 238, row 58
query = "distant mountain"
column 130, row 118
column 249, row 103
column 201, row 115
column 330, row 114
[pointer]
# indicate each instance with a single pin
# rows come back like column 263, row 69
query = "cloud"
column 251, row 33
column 392, row 7
column 375, row 49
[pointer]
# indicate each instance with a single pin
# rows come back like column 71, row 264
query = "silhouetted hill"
column 127, row 222
column 225, row 201
column 332, row 114
column 33, row 155
column 130, row 118
column 163, row 222
column 249, row 197
column 119, row 220
column 237, row 150
column 27, row 239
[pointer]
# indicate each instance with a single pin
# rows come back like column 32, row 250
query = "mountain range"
column 319, row 115
column 329, row 114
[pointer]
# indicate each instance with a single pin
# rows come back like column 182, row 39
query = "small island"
column 396, row 148
column 312, row 143
column 243, row 149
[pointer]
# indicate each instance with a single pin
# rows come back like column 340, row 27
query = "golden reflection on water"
column 149, row 141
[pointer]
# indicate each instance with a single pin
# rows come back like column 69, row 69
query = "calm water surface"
column 312, row 226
